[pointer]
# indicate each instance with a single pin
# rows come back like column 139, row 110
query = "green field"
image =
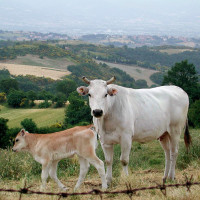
column 42, row 117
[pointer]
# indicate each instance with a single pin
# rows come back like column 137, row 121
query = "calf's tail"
column 187, row 137
column 95, row 135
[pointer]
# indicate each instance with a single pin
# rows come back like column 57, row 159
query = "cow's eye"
column 89, row 95
column 17, row 140
column 106, row 95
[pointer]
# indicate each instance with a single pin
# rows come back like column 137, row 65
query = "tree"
column 31, row 95
column 4, row 74
column 29, row 125
column 2, row 97
column 194, row 114
column 3, row 130
column 66, row 86
column 15, row 97
column 7, row 84
column 60, row 100
column 140, row 83
column 77, row 111
column 185, row 76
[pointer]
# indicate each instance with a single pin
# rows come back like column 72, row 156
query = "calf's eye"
column 89, row 95
column 17, row 140
column 106, row 95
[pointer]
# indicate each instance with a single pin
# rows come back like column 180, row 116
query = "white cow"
column 122, row 115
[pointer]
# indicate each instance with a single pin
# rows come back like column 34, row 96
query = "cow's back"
column 148, row 113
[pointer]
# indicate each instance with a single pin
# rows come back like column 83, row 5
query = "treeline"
column 22, row 91
column 34, row 49
column 145, row 57
column 100, row 71
column 10, row 50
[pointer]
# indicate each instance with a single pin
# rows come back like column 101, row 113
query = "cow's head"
column 20, row 141
column 100, row 95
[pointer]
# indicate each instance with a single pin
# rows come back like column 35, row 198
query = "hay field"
column 33, row 65
column 134, row 71
column 171, row 51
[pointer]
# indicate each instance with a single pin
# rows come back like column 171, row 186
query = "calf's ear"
column 112, row 91
column 23, row 132
column 82, row 90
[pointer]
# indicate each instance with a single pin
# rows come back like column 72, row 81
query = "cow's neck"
column 31, row 140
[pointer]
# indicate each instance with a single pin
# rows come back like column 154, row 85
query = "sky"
column 130, row 17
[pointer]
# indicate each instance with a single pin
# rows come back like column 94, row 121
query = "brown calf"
column 49, row 149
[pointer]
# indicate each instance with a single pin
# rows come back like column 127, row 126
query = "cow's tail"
column 187, row 137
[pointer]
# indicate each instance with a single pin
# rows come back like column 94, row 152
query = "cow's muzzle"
column 15, row 150
column 97, row 113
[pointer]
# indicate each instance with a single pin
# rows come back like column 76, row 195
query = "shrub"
column 29, row 125
column 14, row 98
column 77, row 111
column 3, row 130
column 2, row 97
column 44, row 104
column 194, row 114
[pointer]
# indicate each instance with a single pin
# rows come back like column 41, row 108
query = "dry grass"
column 174, row 51
column 16, row 69
column 134, row 71
column 33, row 65
column 141, row 178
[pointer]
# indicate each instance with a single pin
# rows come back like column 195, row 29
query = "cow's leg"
column 45, row 174
column 108, row 152
column 126, row 143
column 165, row 143
column 174, row 145
column 99, row 165
column 84, row 166
column 53, row 175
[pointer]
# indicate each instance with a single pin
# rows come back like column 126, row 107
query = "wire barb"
column 129, row 190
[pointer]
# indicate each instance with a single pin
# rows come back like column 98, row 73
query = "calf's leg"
column 84, row 166
column 99, row 165
column 44, row 175
column 53, row 175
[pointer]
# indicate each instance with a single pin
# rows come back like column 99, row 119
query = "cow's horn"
column 111, row 80
column 86, row 80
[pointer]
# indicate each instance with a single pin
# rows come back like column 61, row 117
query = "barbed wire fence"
column 129, row 190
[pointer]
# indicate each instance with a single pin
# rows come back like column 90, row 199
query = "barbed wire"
column 129, row 190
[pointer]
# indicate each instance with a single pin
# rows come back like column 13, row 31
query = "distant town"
column 104, row 39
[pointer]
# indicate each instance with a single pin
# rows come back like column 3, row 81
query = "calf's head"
column 100, row 94
column 20, row 141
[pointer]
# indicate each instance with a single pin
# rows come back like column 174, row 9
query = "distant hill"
column 105, row 39
column 140, row 40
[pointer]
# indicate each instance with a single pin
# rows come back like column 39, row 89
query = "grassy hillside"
column 42, row 117
column 134, row 71
column 58, row 63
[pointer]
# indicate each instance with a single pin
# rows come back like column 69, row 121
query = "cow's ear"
column 82, row 90
column 112, row 91
column 22, row 132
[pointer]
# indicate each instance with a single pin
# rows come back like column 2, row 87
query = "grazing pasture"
column 42, row 117
column 146, row 169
